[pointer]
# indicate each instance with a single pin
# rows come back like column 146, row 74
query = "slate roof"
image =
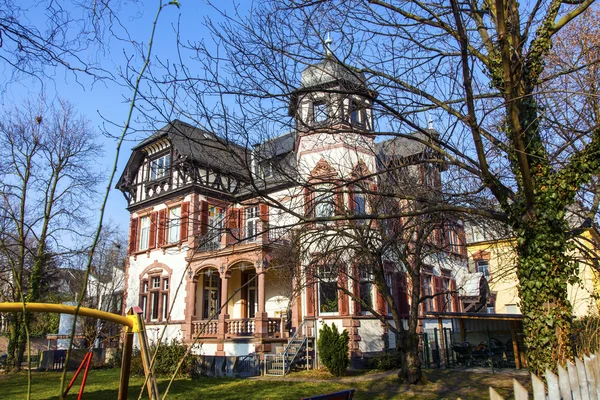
column 403, row 146
column 329, row 71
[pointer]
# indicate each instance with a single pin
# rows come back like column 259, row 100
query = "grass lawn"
column 102, row 385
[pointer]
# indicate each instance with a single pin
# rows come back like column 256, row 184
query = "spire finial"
column 328, row 42
column 429, row 122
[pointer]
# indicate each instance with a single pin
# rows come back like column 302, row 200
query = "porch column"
column 190, row 300
column 223, row 316
column 261, row 319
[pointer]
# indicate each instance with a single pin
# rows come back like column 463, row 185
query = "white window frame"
column 324, row 201
column 320, row 114
column 479, row 266
column 328, row 277
column 252, row 223
column 159, row 167
column 215, row 224
column 144, row 233
column 365, row 277
column 174, row 228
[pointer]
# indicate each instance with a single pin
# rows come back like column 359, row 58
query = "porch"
column 235, row 302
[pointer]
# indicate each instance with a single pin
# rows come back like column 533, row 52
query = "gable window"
column 266, row 169
column 484, row 268
column 328, row 291
column 360, row 203
column 144, row 233
column 324, row 201
column 357, row 114
column 319, row 111
column 452, row 239
column 252, row 223
column 159, row 167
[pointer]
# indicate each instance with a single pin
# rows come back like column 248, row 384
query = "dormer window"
column 358, row 115
column 319, row 111
column 159, row 167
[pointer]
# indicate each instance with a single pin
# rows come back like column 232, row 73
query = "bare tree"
column 46, row 189
column 478, row 68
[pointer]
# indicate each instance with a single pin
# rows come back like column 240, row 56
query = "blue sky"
column 106, row 103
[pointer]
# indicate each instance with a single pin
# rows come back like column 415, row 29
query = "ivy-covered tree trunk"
column 17, row 341
column 544, row 269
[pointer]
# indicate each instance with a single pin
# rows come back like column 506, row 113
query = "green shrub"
column 333, row 349
column 388, row 361
column 167, row 359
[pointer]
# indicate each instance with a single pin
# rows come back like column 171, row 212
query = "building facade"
column 210, row 220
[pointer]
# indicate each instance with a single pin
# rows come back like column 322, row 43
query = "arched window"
column 154, row 296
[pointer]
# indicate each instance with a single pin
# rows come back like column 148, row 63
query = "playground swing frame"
column 133, row 322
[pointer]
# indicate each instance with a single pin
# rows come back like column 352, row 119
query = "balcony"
column 237, row 327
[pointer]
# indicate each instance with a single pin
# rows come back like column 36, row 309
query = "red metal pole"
column 85, row 373
column 76, row 374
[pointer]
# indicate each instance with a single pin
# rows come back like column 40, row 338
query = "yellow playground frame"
column 134, row 323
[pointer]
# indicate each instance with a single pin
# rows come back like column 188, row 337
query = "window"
column 174, row 225
column 210, row 297
column 328, row 291
column 216, row 216
column 427, row 291
column 452, row 239
column 360, row 204
column 159, row 167
column 366, row 291
column 144, row 233
column 266, row 169
column 354, row 113
column 252, row 223
column 483, row 267
column 389, row 282
column 319, row 111
column 251, row 304
column 324, row 201
column 154, row 298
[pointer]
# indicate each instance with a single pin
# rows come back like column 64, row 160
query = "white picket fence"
column 579, row 381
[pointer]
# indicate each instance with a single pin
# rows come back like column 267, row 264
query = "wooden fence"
column 579, row 381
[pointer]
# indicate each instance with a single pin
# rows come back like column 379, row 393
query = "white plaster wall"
column 276, row 299
column 371, row 336
column 238, row 349
column 204, row 349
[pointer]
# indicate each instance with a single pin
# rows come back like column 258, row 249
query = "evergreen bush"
column 167, row 359
column 333, row 349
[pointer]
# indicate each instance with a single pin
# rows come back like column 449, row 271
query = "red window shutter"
column 381, row 303
column 462, row 240
column 310, row 294
column 133, row 229
column 343, row 297
column 153, row 229
column 339, row 202
column 264, row 217
column 402, row 291
column 232, row 225
column 308, row 203
column 356, row 289
column 455, row 299
column 351, row 203
column 185, row 211
column 439, row 299
column 162, row 224
column 203, row 217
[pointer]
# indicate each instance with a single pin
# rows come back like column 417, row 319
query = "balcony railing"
column 205, row 328
column 236, row 327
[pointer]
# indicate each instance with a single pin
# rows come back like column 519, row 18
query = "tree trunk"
column 408, row 345
column 544, row 270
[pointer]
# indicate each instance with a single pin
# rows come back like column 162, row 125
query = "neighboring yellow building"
column 496, row 260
